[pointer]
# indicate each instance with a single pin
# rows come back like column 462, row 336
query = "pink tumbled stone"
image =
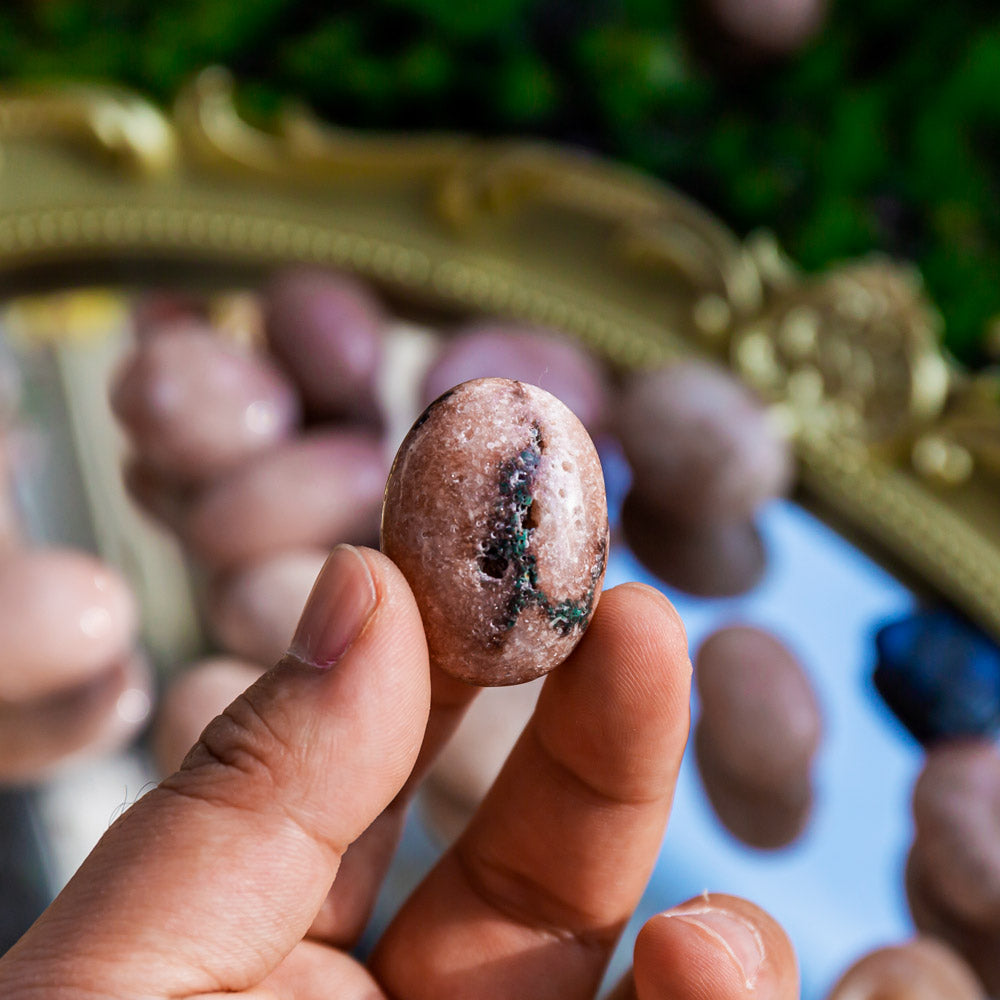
column 65, row 617
column 540, row 357
column 956, row 812
column 253, row 612
column 759, row 706
column 326, row 329
column 195, row 406
column 758, row 732
column 769, row 26
column 921, row 969
column 713, row 560
column 316, row 490
column 83, row 720
column 496, row 514
column 700, row 444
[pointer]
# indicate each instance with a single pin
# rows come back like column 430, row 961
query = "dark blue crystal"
column 940, row 676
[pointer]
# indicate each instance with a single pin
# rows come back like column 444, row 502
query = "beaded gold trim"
column 894, row 441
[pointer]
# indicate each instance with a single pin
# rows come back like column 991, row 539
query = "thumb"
column 713, row 946
column 210, row 880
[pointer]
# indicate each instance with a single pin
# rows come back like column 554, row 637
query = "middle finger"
column 533, row 896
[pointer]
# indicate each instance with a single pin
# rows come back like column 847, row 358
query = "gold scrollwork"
column 855, row 350
column 475, row 181
column 301, row 147
column 966, row 438
column 891, row 435
column 115, row 123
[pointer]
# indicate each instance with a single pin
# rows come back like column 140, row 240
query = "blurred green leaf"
column 466, row 21
column 527, row 90
column 883, row 133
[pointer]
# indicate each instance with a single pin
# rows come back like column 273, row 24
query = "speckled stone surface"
column 496, row 514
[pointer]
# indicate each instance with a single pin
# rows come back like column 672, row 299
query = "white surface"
column 78, row 805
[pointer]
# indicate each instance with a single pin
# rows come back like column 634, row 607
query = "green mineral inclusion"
column 508, row 547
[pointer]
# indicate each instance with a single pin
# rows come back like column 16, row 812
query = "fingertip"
column 715, row 946
column 645, row 617
column 635, row 655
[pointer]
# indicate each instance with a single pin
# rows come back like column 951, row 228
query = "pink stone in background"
column 773, row 27
column 976, row 942
column 253, row 613
column 495, row 512
column 539, row 357
column 715, row 560
column 195, row 406
column 85, row 719
column 64, row 617
column 195, row 697
column 759, row 704
column 317, row 490
column 921, row 969
column 956, row 811
column 326, row 330
column 700, row 444
column 759, row 729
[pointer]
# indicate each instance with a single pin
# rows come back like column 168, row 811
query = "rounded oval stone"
column 713, row 560
column 496, row 514
column 316, row 490
column 956, row 812
column 537, row 356
column 253, row 612
column 759, row 705
column 974, row 941
column 758, row 731
column 83, row 720
column 326, row 329
column 768, row 27
column 921, row 969
column 66, row 616
column 701, row 446
column 195, row 406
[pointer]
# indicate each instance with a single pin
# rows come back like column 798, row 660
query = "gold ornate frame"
column 897, row 446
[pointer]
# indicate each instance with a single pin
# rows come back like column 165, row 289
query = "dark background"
column 880, row 134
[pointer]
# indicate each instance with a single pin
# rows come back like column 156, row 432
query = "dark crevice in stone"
column 422, row 419
column 506, row 556
column 493, row 564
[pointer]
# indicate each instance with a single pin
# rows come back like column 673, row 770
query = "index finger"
column 554, row 862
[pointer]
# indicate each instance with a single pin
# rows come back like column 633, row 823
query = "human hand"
column 219, row 880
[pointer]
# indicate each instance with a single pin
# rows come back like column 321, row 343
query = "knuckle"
column 240, row 757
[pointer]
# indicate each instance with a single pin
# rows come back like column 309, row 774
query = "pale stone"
column 326, row 329
column 195, row 406
column 495, row 512
column 66, row 617
column 540, row 357
column 317, row 490
column 758, row 732
column 701, row 446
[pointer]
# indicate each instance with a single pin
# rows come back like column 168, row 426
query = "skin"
column 252, row 613
column 211, row 885
column 921, row 969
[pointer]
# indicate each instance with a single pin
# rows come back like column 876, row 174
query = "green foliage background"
column 882, row 134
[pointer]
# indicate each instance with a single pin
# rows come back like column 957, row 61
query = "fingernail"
column 735, row 935
column 340, row 603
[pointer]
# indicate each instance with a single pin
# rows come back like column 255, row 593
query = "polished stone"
column 495, row 512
